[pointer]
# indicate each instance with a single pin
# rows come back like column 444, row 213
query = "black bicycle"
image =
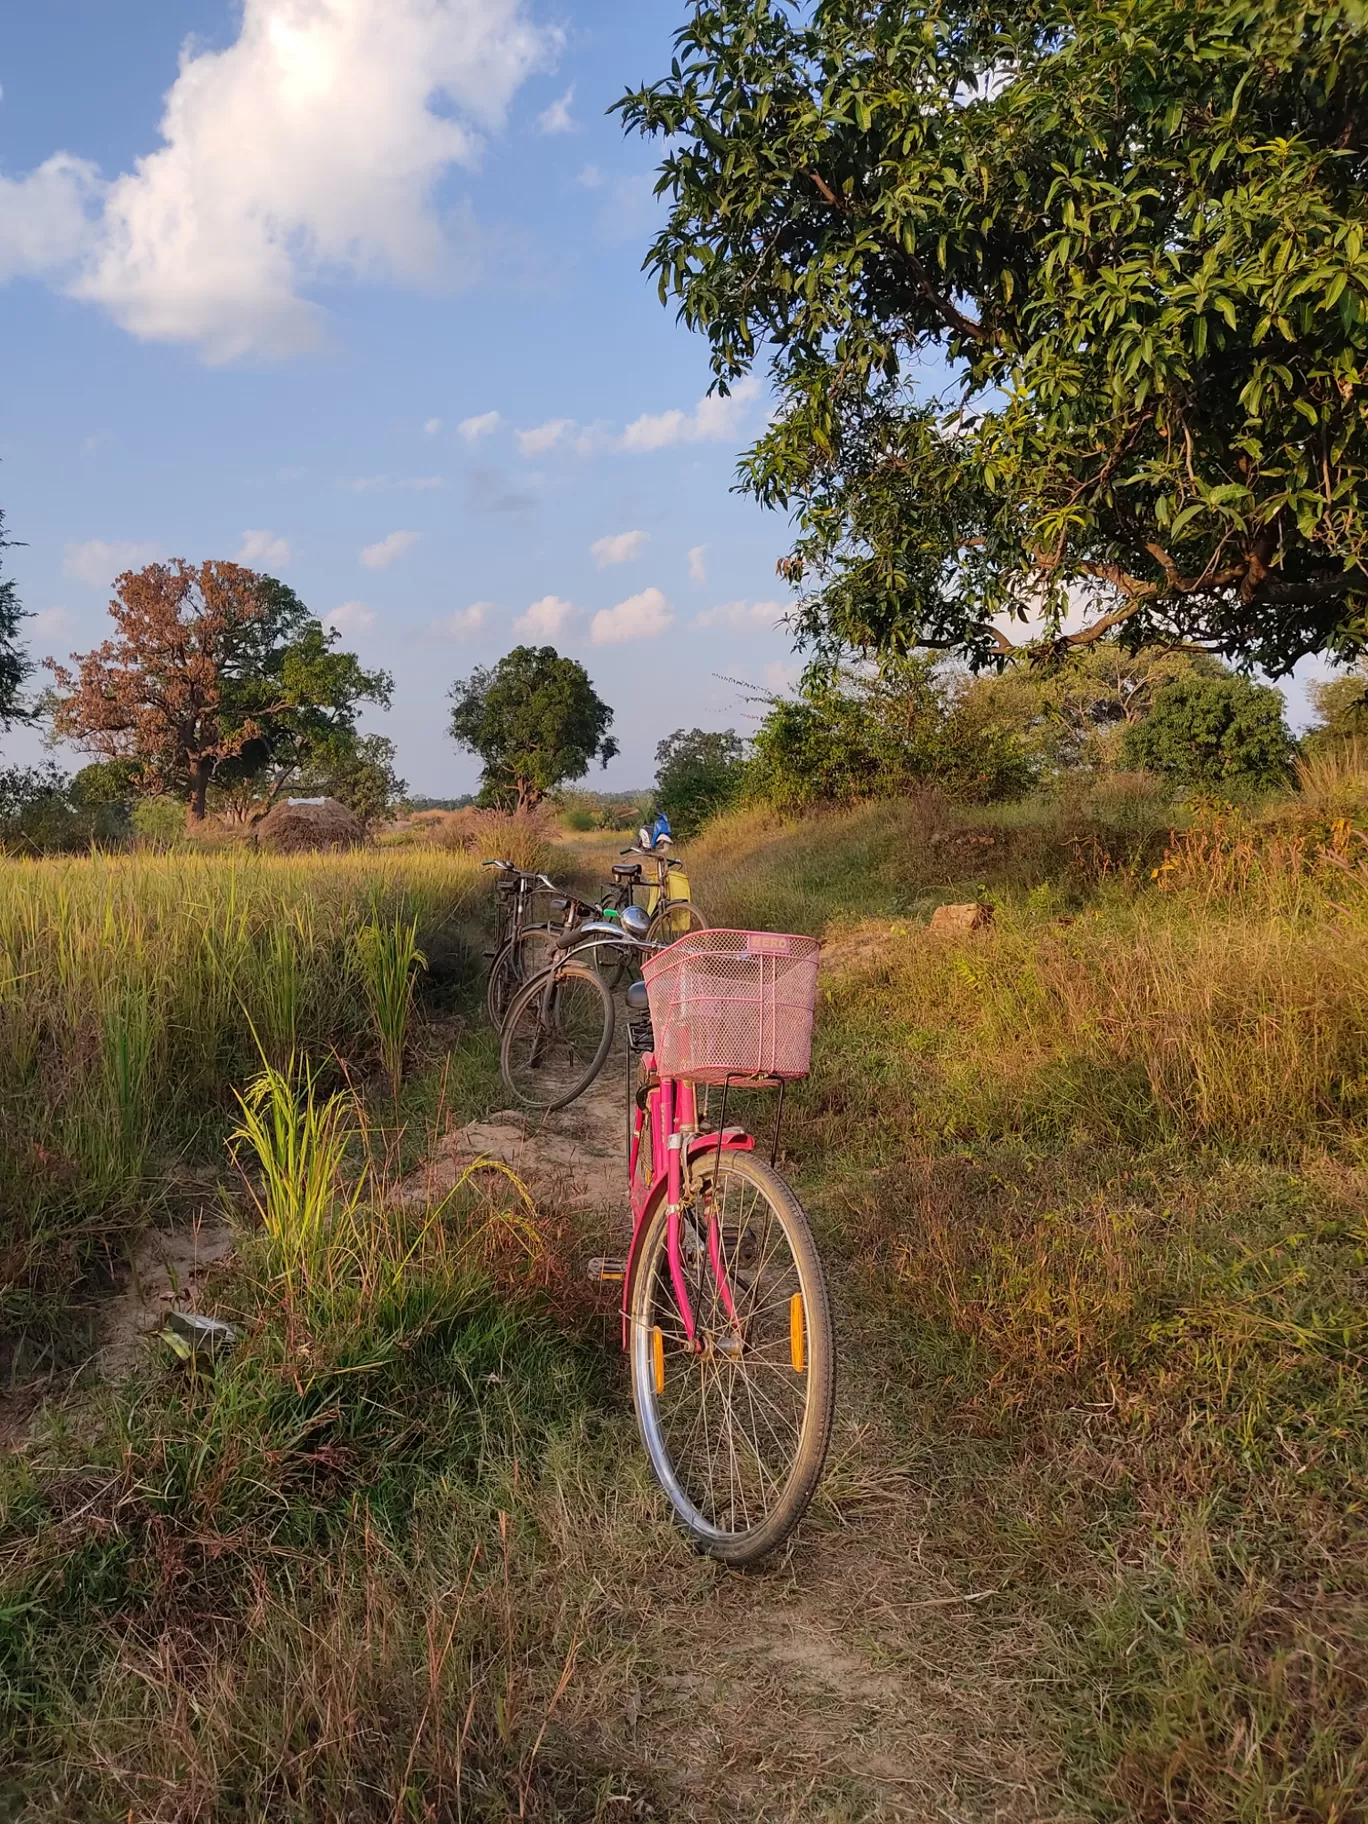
column 559, row 1027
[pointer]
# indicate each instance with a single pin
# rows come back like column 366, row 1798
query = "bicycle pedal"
column 602, row 1271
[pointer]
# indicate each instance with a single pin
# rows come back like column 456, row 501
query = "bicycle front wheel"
column 677, row 918
column 737, row 1424
column 557, row 1033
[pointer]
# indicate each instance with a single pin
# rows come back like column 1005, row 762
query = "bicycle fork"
column 678, row 1118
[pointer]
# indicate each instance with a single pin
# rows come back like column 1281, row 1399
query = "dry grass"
column 1091, row 1184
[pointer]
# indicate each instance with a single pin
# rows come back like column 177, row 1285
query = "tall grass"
column 298, row 1142
column 134, row 995
column 390, row 960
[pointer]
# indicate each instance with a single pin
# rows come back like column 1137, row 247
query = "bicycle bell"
column 635, row 921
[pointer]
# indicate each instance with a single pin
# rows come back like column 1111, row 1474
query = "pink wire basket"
column 727, row 1004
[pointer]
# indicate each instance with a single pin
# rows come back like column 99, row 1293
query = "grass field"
column 1092, row 1186
column 135, row 992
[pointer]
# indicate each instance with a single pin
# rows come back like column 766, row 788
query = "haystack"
column 298, row 824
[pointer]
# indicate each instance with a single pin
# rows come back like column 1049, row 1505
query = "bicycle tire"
column 524, row 955
column 550, row 1052
column 677, row 918
column 670, row 1430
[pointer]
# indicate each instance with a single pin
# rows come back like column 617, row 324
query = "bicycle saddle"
column 636, row 998
column 626, row 870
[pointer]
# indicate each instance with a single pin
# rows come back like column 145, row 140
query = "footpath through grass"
column 1092, row 1186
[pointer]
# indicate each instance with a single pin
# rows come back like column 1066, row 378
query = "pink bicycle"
column 725, row 1312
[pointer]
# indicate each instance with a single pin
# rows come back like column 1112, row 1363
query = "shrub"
column 850, row 736
column 1217, row 734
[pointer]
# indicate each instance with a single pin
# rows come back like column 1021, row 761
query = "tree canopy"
column 14, row 664
column 535, row 721
column 215, row 674
column 1126, row 242
column 699, row 772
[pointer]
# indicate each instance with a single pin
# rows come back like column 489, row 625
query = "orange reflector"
column 796, row 1332
column 658, row 1356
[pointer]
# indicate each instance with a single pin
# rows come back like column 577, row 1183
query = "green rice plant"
column 299, row 1143
column 389, row 958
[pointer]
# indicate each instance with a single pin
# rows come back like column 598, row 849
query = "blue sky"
column 351, row 289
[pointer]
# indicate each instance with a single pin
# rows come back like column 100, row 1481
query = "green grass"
column 1101, row 1178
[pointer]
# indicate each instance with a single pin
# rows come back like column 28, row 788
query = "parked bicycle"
column 669, row 904
column 726, row 1318
column 526, row 945
column 559, row 1027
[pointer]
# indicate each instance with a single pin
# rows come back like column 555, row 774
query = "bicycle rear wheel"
column 677, row 918
column 556, row 1036
column 527, row 953
column 736, row 1430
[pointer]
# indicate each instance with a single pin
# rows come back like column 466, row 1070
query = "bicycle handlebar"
column 671, row 861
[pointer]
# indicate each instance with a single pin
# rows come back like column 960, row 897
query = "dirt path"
column 846, row 1682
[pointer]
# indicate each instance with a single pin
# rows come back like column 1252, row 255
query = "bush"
column 850, row 736
column 42, row 812
column 1217, row 734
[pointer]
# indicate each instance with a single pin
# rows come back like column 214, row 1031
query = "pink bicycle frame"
column 672, row 1110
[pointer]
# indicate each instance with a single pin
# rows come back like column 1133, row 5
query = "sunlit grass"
column 136, row 992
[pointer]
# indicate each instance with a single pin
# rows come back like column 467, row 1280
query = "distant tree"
column 1215, row 734
column 535, row 721
column 1133, row 237
column 105, row 782
column 1342, row 705
column 42, row 812
column 14, row 663
column 698, row 774
column 215, row 673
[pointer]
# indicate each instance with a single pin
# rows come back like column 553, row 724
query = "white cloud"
column 98, row 561
column 44, row 221
column 640, row 617
column 545, row 619
column 556, row 118
column 312, row 146
column 432, row 426
column 782, row 676
column 590, row 178
column 742, row 614
column 473, row 428
column 698, row 570
column 351, row 617
column 394, row 544
column 50, row 620
column 461, row 621
column 544, row 437
column 620, row 548
column 713, row 420
column 260, row 547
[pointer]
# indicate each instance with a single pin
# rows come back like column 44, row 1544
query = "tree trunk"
column 199, row 786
